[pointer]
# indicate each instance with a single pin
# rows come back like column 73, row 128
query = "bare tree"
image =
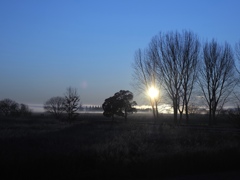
column 190, row 59
column 217, row 78
column 237, row 52
column 171, row 67
column 152, row 66
column 55, row 106
column 237, row 65
column 178, row 59
column 170, row 61
column 71, row 103
column 145, row 75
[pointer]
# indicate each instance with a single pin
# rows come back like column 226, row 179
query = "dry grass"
column 95, row 147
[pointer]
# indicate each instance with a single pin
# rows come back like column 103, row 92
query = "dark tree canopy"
column 121, row 104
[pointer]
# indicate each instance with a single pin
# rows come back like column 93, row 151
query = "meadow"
column 93, row 146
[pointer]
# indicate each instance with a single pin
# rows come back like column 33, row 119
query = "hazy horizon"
column 47, row 46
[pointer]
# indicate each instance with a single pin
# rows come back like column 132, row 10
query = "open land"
column 93, row 146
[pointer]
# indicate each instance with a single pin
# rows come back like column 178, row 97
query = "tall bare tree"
column 217, row 79
column 237, row 52
column 170, row 61
column 190, row 59
column 71, row 103
column 145, row 75
column 235, row 114
column 171, row 66
column 178, row 59
column 152, row 67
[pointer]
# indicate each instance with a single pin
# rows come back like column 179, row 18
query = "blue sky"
column 49, row 45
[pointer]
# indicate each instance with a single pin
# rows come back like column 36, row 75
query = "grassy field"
column 93, row 146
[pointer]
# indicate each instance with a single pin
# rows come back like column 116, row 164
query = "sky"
column 49, row 45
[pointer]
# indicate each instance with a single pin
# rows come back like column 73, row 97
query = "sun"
column 153, row 92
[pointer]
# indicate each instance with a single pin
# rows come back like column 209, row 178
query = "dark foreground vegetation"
column 39, row 147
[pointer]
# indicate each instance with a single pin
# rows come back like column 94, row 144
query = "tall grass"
column 96, row 147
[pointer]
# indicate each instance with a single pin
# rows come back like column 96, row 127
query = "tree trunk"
column 210, row 116
column 156, row 109
column 125, row 115
column 175, row 115
column 180, row 118
column 214, row 115
column 175, row 111
column 187, row 116
column 153, row 109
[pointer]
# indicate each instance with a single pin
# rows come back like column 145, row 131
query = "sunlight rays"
column 153, row 92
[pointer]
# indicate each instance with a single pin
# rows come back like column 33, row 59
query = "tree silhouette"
column 9, row 107
column 55, row 106
column 170, row 62
column 217, row 78
column 177, row 62
column 190, row 60
column 71, row 103
column 145, row 73
column 237, row 52
column 120, row 104
column 24, row 110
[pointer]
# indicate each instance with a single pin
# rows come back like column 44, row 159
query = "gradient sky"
column 49, row 45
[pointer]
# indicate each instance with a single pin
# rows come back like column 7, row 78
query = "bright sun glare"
column 153, row 92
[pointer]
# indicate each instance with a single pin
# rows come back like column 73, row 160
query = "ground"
column 96, row 147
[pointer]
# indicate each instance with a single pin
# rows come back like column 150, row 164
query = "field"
column 96, row 147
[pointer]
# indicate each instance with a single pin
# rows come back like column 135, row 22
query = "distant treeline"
column 99, row 108
column 91, row 108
